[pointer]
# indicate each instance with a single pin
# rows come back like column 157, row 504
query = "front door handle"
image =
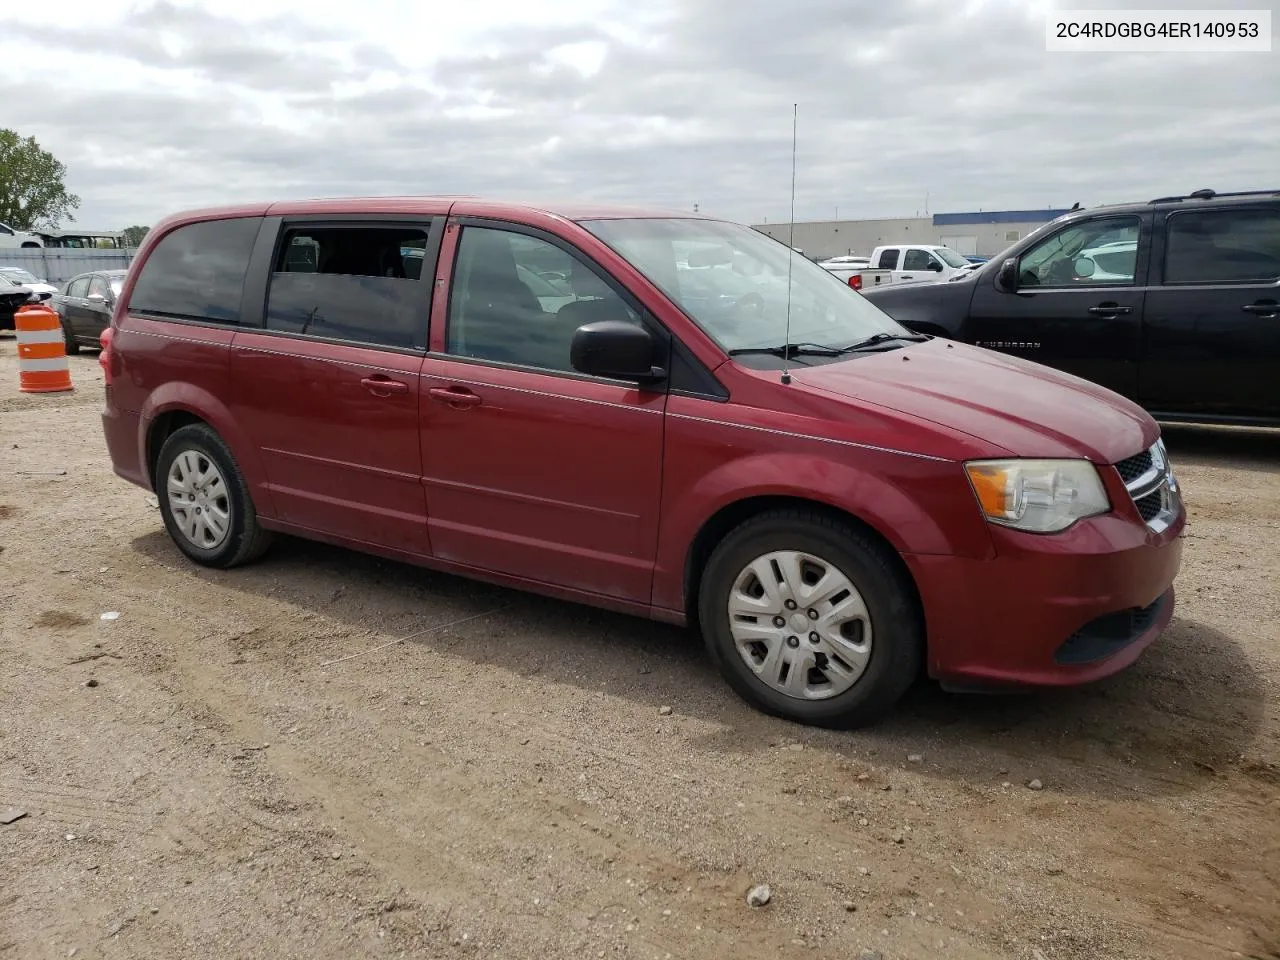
column 381, row 386
column 457, row 397
column 1263, row 308
column 906, row 276
column 1109, row 309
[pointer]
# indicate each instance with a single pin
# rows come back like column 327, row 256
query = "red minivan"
column 668, row 415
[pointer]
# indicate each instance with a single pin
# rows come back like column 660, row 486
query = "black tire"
column 245, row 539
column 897, row 648
column 73, row 345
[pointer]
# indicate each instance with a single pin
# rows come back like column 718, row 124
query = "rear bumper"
column 121, row 430
column 1050, row 610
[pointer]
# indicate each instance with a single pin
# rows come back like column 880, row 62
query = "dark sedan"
column 85, row 306
column 12, row 296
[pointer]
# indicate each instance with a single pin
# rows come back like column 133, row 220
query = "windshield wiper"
column 785, row 350
column 878, row 338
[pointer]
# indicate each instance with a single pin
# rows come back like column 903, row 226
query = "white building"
column 984, row 233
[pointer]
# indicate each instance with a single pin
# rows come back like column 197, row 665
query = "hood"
column 1024, row 408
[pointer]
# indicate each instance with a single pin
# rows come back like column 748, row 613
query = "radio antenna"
column 791, row 247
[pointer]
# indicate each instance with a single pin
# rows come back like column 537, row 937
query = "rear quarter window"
column 196, row 272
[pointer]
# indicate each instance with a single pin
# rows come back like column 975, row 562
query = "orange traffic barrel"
column 42, row 353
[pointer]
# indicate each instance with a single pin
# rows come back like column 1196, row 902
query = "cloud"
column 170, row 105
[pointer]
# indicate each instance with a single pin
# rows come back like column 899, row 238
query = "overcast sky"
column 156, row 107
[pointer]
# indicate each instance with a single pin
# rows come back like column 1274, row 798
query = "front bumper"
column 1050, row 610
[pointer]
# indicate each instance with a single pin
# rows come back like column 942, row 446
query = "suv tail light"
column 104, row 358
column 856, row 281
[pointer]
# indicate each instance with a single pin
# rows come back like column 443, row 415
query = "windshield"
column 20, row 275
column 732, row 282
column 950, row 257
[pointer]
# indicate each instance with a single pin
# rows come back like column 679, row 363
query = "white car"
column 10, row 237
column 1108, row 261
column 28, row 279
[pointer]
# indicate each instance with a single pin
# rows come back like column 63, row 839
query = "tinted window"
column 1222, row 246
column 78, row 287
column 5, row 230
column 352, row 283
column 916, row 260
column 1086, row 254
column 499, row 311
column 197, row 272
column 888, row 260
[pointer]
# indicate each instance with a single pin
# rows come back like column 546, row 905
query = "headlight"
column 1041, row 496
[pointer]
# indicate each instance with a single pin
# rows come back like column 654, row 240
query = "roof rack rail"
column 1207, row 194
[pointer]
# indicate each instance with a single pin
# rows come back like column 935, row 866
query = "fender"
column 180, row 395
column 863, row 483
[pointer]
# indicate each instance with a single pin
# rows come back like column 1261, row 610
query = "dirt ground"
column 207, row 776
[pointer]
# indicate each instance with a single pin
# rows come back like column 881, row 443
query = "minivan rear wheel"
column 811, row 619
column 204, row 500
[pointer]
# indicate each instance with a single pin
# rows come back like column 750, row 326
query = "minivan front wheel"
column 808, row 618
column 204, row 500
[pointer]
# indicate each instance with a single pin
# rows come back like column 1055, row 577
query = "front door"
column 1078, row 305
column 93, row 315
column 1211, row 338
column 328, row 390
column 532, row 469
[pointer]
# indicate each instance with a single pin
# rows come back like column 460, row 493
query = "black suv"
column 1173, row 303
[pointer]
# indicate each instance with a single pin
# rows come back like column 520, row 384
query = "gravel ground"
column 245, row 764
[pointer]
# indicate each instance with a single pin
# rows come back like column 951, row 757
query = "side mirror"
column 1007, row 278
column 935, row 266
column 1084, row 267
column 616, row 349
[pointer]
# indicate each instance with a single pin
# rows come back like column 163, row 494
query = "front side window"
column 196, row 272
column 520, row 299
column 5, row 230
column 732, row 282
column 1223, row 246
column 917, row 260
column 1086, row 254
column 359, row 283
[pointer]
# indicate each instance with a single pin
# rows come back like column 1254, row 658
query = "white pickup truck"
column 898, row 263
column 12, row 238
column 856, row 271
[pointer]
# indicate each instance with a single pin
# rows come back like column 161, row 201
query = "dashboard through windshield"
column 735, row 283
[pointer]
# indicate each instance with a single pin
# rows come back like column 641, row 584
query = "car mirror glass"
column 1084, row 267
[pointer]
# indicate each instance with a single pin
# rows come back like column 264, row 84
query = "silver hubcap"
column 198, row 499
column 800, row 625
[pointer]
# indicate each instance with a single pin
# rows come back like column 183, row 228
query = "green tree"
column 133, row 235
column 32, row 192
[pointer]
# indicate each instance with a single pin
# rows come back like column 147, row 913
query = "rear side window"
column 888, row 259
column 79, row 287
column 360, row 283
column 197, row 272
column 1223, row 246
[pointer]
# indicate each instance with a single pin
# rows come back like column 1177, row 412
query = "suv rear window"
column 197, row 272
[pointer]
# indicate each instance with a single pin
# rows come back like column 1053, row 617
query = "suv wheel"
column 204, row 500
column 809, row 619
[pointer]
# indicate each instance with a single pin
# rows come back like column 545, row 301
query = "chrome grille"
column 1133, row 467
column 1149, row 479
